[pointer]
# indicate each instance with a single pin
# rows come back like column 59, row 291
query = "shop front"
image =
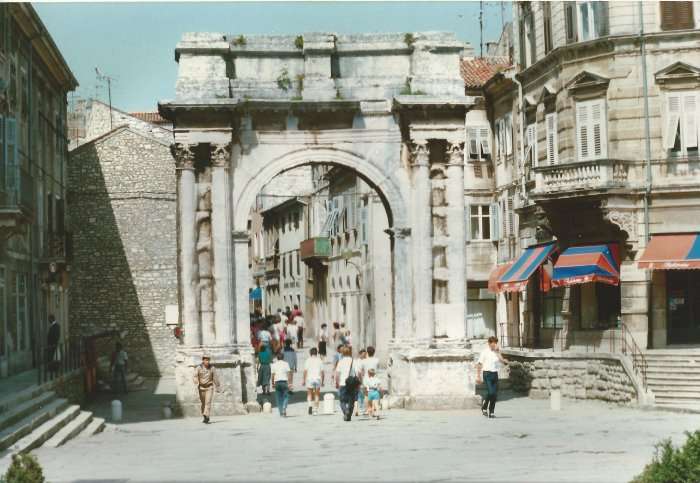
column 674, row 260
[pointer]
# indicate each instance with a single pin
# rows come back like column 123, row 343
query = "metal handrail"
column 53, row 362
column 639, row 360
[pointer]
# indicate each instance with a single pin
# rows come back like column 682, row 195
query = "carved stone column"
column 242, row 282
column 187, row 236
column 221, row 243
column 422, row 243
column 455, row 250
column 403, row 326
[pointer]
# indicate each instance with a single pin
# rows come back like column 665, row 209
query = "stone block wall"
column 123, row 220
column 598, row 378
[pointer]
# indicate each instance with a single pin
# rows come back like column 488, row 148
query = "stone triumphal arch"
column 389, row 106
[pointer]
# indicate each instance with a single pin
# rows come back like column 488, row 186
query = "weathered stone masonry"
column 122, row 212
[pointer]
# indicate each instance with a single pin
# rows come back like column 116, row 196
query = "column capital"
column 420, row 153
column 455, row 151
column 183, row 154
column 221, row 155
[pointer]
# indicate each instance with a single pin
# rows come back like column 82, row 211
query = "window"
column 570, row 12
column 552, row 138
column 591, row 130
column 599, row 306
column 284, row 266
column 296, row 220
column 547, row 20
column 504, row 140
column 592, row 20
column 478, row 142
column 676, row 15
column 298, row 266
column 526, row 35
column 551, row 308
column 682, row 113
column 480, row 222
column 364, row 236
column 531, row 149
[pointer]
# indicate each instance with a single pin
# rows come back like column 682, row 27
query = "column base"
column 236, row 375
column 439, row 376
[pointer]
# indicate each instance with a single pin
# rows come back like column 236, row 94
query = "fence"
column 55, row 361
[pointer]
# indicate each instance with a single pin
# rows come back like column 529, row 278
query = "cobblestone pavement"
column 585, row 442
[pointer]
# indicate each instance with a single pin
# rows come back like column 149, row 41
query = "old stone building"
column 34, row 256
column 246, row 111
column 123, row 219
column 595, row 146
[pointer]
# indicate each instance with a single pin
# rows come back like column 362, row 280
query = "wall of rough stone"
column 576, row 377
column 123, row 219
column 98, row 123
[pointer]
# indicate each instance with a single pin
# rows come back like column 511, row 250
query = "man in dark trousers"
column 52, row 337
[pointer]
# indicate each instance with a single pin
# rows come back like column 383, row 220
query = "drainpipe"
column 647, row 162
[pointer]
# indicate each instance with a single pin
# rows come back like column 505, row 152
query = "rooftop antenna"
column 105, row 77
column 503, row 15
column 481, row 28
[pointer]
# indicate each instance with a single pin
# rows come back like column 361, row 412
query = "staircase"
column 673, row 375
column 36, row 417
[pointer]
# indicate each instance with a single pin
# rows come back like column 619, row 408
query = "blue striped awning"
column 516, row 277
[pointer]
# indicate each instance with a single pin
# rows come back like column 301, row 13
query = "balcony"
column 55, row 247
column 316, row 250
column 595, row 177
column 582, row 178
column 17, row 199
column 272, row 271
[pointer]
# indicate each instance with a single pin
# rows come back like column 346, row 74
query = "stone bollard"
column 267, row 407
column 116, row 411
column 328, row 404
column 167, row 411
column 555, row 400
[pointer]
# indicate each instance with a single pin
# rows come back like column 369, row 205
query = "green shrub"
column 299, row 42
column 24, row 469
column 283, row 80
column 409, row 39
column 240, row 41
column 674, row 465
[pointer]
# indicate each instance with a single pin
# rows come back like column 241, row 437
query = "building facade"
column 34, row 252
column 123, row 222
column 597, row 117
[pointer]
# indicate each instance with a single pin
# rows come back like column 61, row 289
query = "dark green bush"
column 674, row 465
column 24, row 469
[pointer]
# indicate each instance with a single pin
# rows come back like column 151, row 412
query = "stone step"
column 12, row 400
column 23, row 409
column 97, row 425
column 675, row 370
column 26, row 425
column 673, row 379
column 70, row 430
column 44, row 432
column 661, row 394
column 673, row 365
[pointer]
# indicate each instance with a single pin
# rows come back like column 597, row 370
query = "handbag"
column 352, row 382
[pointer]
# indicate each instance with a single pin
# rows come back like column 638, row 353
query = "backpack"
column 352, row 382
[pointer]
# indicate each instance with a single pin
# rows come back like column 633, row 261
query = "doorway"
column 683, row 306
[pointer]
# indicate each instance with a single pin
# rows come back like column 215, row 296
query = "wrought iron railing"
column 55, row 361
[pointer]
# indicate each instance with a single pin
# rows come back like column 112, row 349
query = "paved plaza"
column 585, row 442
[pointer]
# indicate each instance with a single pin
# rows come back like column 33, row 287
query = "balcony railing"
column 315, row 249
column 54, row 246
column 581, row 177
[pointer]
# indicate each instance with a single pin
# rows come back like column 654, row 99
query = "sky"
column 134, row 43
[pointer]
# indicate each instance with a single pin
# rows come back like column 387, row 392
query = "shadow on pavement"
column 145, row 404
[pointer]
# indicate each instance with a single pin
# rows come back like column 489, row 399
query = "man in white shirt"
column 313, row 380
column 346, row 394
column 489, row 362
column 282, row 380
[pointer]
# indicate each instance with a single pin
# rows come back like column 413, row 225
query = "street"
column 586, row 441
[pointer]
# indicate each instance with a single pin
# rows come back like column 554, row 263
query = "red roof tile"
column 477, row 71
column 152, row 117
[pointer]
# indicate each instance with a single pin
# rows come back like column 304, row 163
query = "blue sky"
column 135, row 42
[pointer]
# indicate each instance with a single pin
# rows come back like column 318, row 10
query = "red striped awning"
column 515, row 278
column 587, row 263
column 672, row 252
column 496, row 273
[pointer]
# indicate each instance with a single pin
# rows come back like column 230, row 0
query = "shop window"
column 551, row 308
column 676, row 15
column 682, row 113
column 600, row 305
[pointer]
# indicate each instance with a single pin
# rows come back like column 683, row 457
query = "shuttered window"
column 508, row 123
column 531, row 149
column 676, row 15
column 552, row 138
column 682, row 122
column 592, row 20
column 478, row 143
column 591, row 130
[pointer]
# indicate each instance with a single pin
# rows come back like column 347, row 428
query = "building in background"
column 122, row 212
column 34, row 249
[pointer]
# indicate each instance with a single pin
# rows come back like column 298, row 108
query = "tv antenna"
column 105, row 78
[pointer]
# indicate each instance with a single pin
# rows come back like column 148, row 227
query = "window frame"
column 552, row 138
column 588, row 106
column 683, row 124
column 552, row 296
column 481, row 221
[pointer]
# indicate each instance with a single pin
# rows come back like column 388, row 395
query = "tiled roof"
column 478, row 70
column 152, row 117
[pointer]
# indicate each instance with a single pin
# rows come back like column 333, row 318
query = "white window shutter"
column 504, row 217
column 473, row 142
column 531, row 152
column 582, row 126
column 495, row 226
column 599, row 138
column 690, row 128
column 673, row 114
column 552, row 140
column 510, row 227
column 509, row 134
column 484, row 138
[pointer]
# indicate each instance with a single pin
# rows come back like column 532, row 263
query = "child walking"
column 373, row 391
